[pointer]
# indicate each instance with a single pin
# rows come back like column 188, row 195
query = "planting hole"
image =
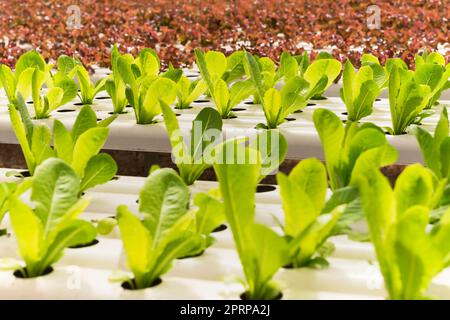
column 89, row 244
column 202, row 101
column 102, row 98
column 115, row 178
column 184, row 108
column 66, row 110
column 30, row 102
column 290, row 119
column 128, row 286
column 128, row 106
column 238, row 109
column 310, row 104
column 25, row 173
column 220, row 228
column 265, row 188
column 250, row 103
column 78, row 104
column 123, row 112
column 98, row 119
column 377, row 99
column 344, row 113
column 298, row 111
column 243, row 296
column 23, row 273
column 192, row 255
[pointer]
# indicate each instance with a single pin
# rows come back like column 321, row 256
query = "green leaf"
column 272, row 147
column 331, row 133
column 85, row 120
column 137, row 242
column 63, row 142
column 88, row 145
column 73, row 233
column 41, row 143
column 413, row 187
column 29, row 233
column 329, row 68
column 209, row 215
column 30, row 59
column 216, row 63
column 272, row 107
column 56, row 192
column 267, row 255
column 100, row 169
column 163, row 201
column 222, row 97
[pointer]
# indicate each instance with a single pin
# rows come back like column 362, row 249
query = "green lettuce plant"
column 358, row 91
column 306, row 228
column 79, row 148
column 163, row 234
column 408, row 253
column 192, row 160
column 407, row 100
column 51, row 225
column 188, row 91
column 261, row 251
column 432, row 71
column 31, row 73
column 342, row 146
column 212, row 66
column 145, row 88
column 72, row 67
column 277, row 105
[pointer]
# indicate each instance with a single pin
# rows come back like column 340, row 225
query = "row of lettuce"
column 409, row 225
column 140, row 83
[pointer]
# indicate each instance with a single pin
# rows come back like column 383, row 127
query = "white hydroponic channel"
column 83, row 273
column 299, row 131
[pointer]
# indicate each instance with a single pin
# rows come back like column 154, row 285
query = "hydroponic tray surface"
column 83, row 273
column 298, row 129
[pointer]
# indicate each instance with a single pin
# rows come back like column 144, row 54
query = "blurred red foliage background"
column 265, row 27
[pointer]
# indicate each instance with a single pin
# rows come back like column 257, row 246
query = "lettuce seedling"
column 306, row 229
column 188, row 91
column 261, row 251
column 277, row 105
column 432, row 71
column 79, row 148
column 358, row 91
column 72, row 67
column 151, row 244
column 192, row 159
column 31, row 73
column 44, row 232
column 342, row 146
column 212, row 66
column 408, row 253
column 144, row 88
column 407, row 99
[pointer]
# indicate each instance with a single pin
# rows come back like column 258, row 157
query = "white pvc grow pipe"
column 300, row 133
